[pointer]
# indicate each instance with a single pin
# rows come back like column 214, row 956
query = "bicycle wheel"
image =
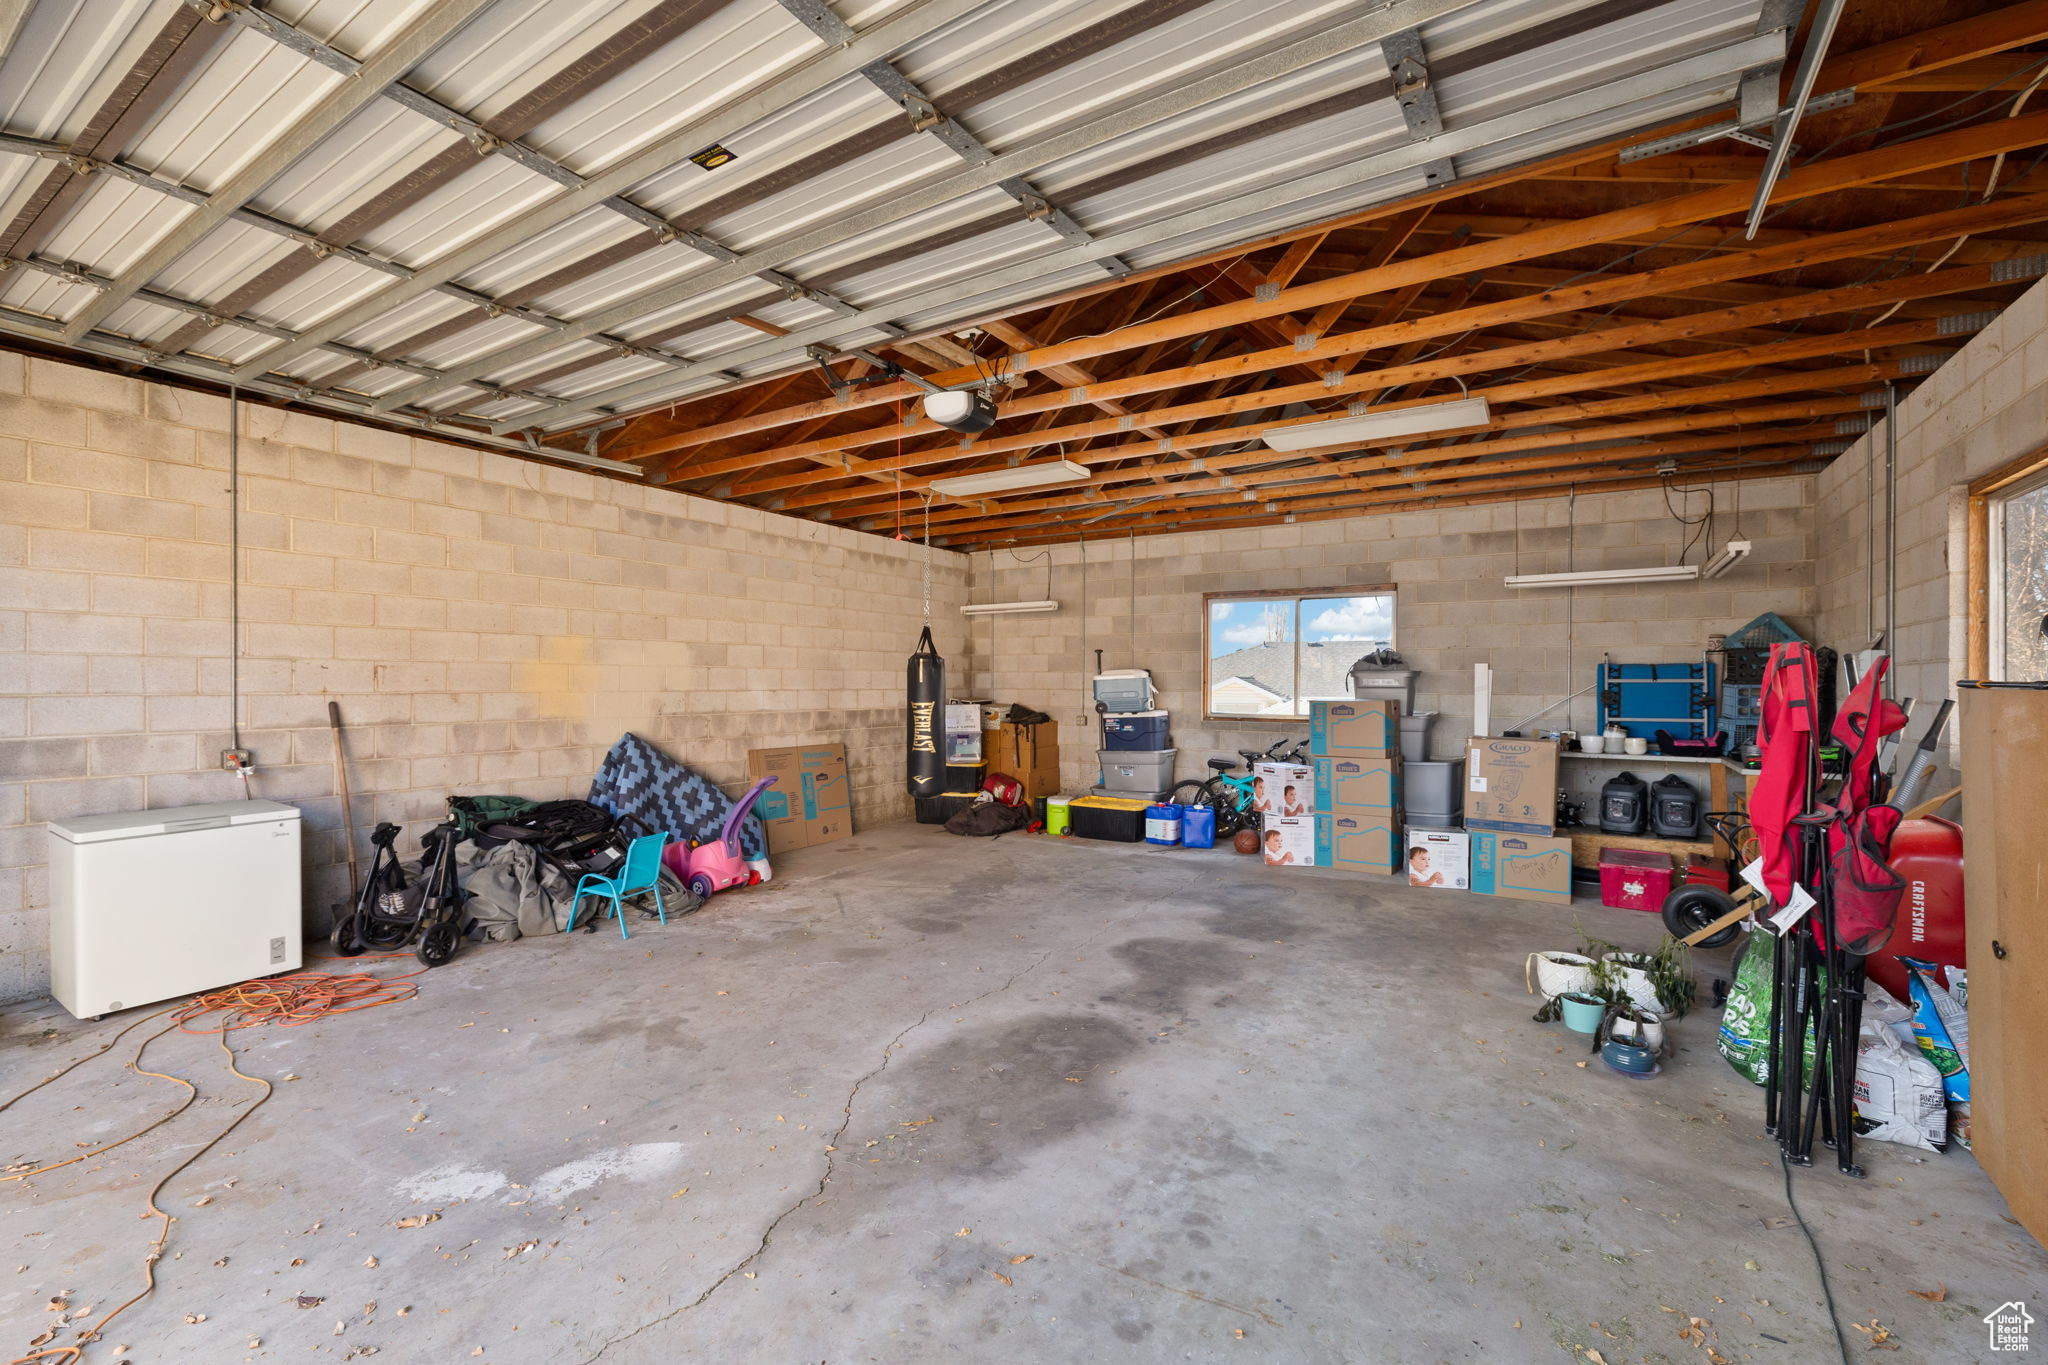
column 1224, row 799
column 1192, row 792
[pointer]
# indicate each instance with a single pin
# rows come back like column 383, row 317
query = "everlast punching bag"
column 923, row 760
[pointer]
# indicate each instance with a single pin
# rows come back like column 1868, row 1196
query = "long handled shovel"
column 348, row 819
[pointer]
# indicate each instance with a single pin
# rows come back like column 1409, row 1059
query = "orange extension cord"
column 290, row 1000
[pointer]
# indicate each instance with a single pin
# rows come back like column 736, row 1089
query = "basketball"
column 1247, row 841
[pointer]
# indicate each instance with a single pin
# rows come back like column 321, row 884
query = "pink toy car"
column 716, row 865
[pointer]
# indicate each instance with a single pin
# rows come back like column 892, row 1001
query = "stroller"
column 391, row 912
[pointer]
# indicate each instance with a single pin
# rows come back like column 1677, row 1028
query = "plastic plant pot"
column 1582, row 1012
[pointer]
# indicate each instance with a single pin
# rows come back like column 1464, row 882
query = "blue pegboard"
column 1678, row 698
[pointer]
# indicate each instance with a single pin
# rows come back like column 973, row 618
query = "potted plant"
column 1659, row 981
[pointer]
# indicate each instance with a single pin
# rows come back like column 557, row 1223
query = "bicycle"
column 1230, row 796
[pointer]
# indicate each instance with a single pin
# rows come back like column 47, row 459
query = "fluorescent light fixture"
column 1737, row 551
column 1590, row 578
column 1007, row 608
column 1009, row 480
column 965, row 410
column 1380, row 426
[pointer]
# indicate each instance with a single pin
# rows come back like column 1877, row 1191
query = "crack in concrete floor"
column 889, row 1053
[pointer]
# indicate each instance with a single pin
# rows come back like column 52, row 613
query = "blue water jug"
column 1162, row 824
column 1198, row 826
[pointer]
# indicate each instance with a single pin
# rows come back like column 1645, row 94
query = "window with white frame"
column 1266, row 656
column 2016, row 602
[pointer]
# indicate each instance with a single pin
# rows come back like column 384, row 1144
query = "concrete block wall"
column 1140, row 602
column 1983, row 409
column 487, row 624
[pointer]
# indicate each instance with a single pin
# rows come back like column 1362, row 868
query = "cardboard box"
column 1359, row 841
column 812, row 799
column 1370, row 729
column 1511, row 785
column 1271, row 783
column 1021, row 749
column 1528, row 867
column 1039, row 784
column 1438, row 858
column 1357, row 783
column 1288, row 841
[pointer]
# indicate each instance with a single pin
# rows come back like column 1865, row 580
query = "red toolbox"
column 1632, row 879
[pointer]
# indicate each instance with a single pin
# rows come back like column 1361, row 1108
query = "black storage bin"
column 1624, row 805
column 965, row 778
column 937, row 810
column 1674, row 808
column 1116, row 819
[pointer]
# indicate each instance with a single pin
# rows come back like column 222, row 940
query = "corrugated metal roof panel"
column 1184, row 48
column 68, row 56
column 249, row 83
column 250, row 88
column 746, row 43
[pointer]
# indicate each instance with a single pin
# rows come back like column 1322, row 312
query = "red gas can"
column 1634, row 879
column 1929, row 855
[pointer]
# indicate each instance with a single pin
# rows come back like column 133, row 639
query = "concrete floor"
column 932, row 1099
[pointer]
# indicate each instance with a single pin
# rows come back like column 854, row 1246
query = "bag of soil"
column 1941, row 1027
column 1744, row 1037
column 1898, row 1091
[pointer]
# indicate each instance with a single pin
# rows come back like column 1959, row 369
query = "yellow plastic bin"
column 1057, row 820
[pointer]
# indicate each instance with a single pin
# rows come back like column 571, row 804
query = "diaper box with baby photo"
column 1288, row 840
column 1439, row 858
column 1283, row 789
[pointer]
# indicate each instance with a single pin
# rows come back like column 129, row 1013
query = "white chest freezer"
column 148, row 905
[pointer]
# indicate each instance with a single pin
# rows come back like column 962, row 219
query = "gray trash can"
column 1415, row 736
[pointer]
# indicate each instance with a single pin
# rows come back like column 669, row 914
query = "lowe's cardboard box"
column 1360, row 841
column 1511, row 785
column 1357, row 783
column 1528, row 867
column 812, row 799
column 1438, row 858
column 1370, row 729
column 1288, row 840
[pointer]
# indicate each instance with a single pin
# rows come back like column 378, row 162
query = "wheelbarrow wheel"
column 1689, row 909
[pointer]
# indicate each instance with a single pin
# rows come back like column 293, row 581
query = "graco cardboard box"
column 1528, row 867
column 1370, row 729
column 1438, row 858
column 1360, row 841
column 1283, row 789
column 1358, row 783
column 812, row 799
column 1511, row 785
column 1288, row 841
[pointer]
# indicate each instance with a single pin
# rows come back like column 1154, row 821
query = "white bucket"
column 1636, row 982
column 1649, row 1033
column 1553, row 974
